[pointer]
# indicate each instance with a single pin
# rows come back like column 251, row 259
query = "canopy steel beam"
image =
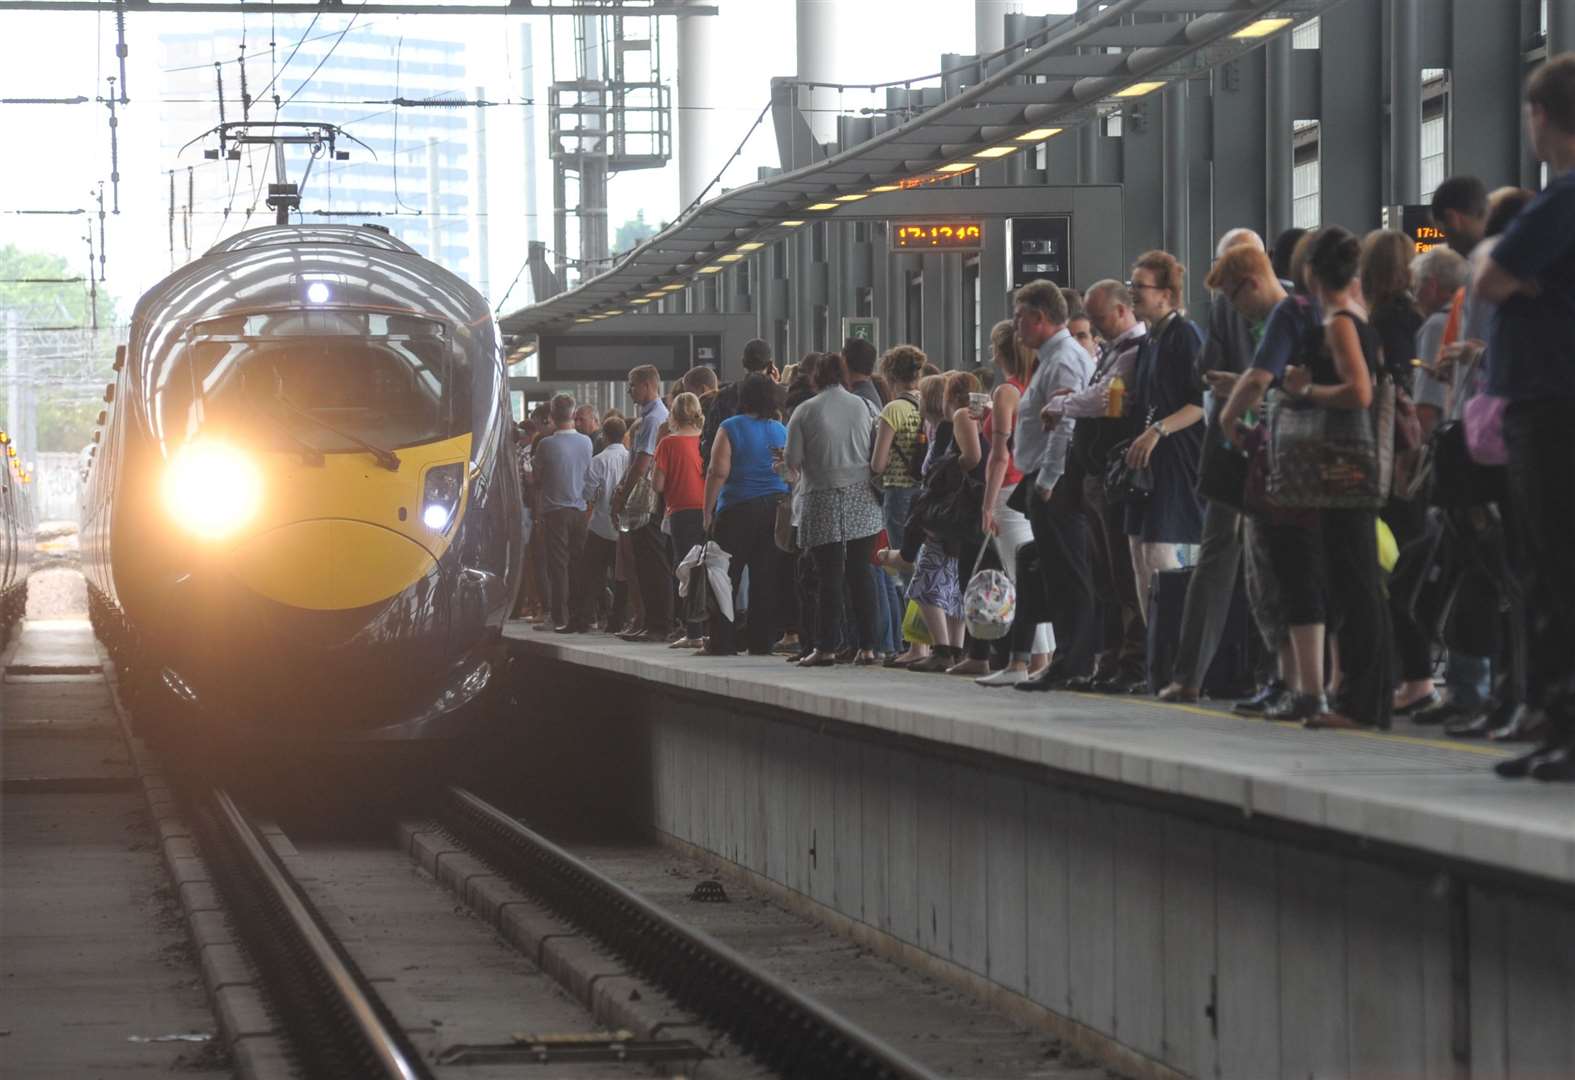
column 512, row 7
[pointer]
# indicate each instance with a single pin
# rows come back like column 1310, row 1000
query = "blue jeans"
column 896, row 503
column 1468, row 679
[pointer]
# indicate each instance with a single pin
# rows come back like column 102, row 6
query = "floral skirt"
column 845, row 513
column 935, row 581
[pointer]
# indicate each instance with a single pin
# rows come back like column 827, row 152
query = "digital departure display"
column 936, row 234
column 1417, row 223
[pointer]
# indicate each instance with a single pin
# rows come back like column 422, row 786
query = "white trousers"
column 1012, row 532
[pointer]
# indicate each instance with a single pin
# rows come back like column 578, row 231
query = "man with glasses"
column 1122, row 645
column 1054, row 509
column 652, row 562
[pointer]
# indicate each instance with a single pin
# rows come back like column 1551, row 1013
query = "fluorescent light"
column 674, row 287
column 641, row 300
column 956, row 167
column 659, row 293
column 605, row 314
column 584, row 320
column 1038, row 134
column 1139, row 89
column 996, row 151
column 712, row 269
column 822, row 206
column 882, row 189
column 853, row 198
column 790, row 224
column 753, row 245
column 1262, row 28
column 730, row 257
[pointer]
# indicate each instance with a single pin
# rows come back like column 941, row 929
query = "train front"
column 317, row 542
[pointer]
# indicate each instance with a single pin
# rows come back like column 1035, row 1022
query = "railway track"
column 339, row 1025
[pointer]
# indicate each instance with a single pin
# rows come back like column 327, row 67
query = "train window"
column 323, row 378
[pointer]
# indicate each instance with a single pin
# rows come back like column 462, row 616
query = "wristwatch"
column 1159, row 426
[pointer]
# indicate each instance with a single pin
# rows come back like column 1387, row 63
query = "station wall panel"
column 1220, row 949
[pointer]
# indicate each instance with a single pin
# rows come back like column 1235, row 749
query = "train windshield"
column 319, row 378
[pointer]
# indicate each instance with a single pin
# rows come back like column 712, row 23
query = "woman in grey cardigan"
column 828, row 455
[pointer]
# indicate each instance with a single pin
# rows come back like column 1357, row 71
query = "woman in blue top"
column 742, row 490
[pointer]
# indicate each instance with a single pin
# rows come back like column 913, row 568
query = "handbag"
column 1222, row 472
column 639, row 507
column 1323, row 459
column 913, row 628
column 1124, row 485
column 783, row 533
column 1483, row 418
column 990, row 601
column 951, row 506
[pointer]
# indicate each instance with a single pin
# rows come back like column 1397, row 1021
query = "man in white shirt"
column 1122, row 645
column 1054, row 509
column 601, row 541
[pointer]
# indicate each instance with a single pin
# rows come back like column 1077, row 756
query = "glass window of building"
column 1306, row 36
column 1306, row 212
column 1435, row 130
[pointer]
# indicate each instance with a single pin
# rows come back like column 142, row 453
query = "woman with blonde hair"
column 679, row 478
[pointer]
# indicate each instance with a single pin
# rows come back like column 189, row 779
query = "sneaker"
column 1269, row 694
column 1004, row 677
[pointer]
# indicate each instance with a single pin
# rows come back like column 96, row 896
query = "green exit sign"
column 866, row 328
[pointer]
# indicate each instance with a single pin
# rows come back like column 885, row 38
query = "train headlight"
column 212, row 489
column 440, row 495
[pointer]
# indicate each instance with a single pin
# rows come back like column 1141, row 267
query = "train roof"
column 287, row 235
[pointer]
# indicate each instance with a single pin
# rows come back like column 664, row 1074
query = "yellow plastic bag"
column 913, row 628
column 1388, row 550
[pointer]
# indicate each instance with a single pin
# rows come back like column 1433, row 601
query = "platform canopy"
column 1073, row 71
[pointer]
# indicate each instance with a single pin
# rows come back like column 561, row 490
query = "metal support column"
column 696, row 55
column 817, row 50
column 989, row 25
column 1277, row 136
column 1088, row 152
column 1175, row 184
column 1405, row 102
column 483, row 246
column 434, row 222
column 1561, row 26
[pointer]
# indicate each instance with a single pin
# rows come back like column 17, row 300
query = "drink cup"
column 977, row 403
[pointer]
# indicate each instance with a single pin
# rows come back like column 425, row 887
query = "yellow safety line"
column 1383, row 736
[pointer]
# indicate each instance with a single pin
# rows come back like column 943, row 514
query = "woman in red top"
column 1017, row 362
column 680, row 480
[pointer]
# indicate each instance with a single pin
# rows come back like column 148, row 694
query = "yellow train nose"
column 330, row 564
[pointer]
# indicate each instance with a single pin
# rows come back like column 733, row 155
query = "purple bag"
column 1483, row 419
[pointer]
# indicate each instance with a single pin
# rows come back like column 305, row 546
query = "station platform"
column 1408, row 789
column 1179, row 888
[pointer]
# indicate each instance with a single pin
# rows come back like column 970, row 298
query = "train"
column 17, row 547
column 300, row 519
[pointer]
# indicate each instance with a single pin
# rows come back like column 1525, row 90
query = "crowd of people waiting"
column 1368, row 444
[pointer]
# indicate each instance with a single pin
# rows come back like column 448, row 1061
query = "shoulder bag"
column 1328, row 459
column 639, row 507
column 1124, row 485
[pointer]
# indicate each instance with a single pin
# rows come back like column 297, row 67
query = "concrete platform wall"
column 1214, row 949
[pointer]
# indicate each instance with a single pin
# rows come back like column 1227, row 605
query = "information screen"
column 936, row 234
column 1417, row 223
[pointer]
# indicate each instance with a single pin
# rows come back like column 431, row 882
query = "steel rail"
column 789, row 1032
column 378, row 1042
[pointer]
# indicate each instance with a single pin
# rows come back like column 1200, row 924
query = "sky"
column 57, row 154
